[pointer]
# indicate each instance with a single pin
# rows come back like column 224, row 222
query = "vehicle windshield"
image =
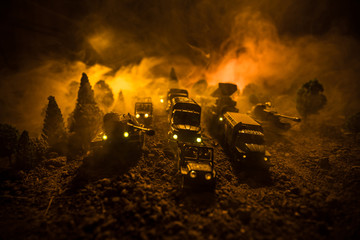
column 243, row 138
column 186, row 118
column 201, row 154
column 143, row 107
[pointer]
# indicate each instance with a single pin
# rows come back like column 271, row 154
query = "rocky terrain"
column 310, row 192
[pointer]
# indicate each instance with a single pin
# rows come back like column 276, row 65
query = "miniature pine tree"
column 85, row 121
column 8, row 140
column 103, row 95
column 24, row 154
column 54, row 127
column 173, row 83
column 310, row 98
column 120, row 103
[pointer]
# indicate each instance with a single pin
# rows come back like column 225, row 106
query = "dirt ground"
column 310, row 192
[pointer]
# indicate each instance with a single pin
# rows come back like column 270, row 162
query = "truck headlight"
column 265, row 159
column 244, row 156
column 146, row 115
column 198, row 140
column 208, row 176
column 137, row 115
column 161, row 100
column 193, row 174
column 126, row 134
column 221, row 119
column 175, row 136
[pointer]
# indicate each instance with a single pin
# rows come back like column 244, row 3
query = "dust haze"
column 132, row 45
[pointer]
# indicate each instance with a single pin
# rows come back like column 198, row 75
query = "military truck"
column 144, row 111
column 175, row 92
column 243, row 137
column 214, row 114
column 184, row 121
column 196, row 166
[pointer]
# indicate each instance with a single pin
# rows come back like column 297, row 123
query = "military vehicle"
column 122, row 132
column 263, row 113
column 243, row 137
column 196, row 166
column 144, row 111
column 175, row 92
column 184, row 120
column 214, row 114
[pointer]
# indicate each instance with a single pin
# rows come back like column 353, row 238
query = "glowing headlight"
column 161, row 100
column 126, row 134
column 104, row 137
column 198, row 140
column 137, row 115
column 175, row 136
column 146, row 115
column 221, row 119
column 244, row 156
column 208, row 176
column 193, row 174
column 265, row 159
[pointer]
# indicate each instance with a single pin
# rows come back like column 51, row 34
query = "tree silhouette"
column 8, row 140
column 24, row 153
column 85, row 121
column 310, row 98
column 54, row 127
column 173, row 81
column 103, row 95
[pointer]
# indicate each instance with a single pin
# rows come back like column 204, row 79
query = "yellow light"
column 208, row 176
column 161, row 100
column 265, row 158
column 221, row 119
column 175, row 136
column 198, row 140
column 104, row 137
column 126, row 134
column 137, row 115
column 146, row 115
column 244, row 156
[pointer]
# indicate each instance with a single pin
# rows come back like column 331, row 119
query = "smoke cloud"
column 132, row 45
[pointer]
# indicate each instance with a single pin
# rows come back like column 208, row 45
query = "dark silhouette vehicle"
column 243, row 137
column 175, row 92
column 144, row 111
column 263, row 113
column 196, row 166
column 184, row 120
column 122, row 132
column 214, row 114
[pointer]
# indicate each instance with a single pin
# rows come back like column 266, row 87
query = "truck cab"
column 184, row 120
column 244, row 138
column 196, row 166
column 144, row 111
column 175, row 92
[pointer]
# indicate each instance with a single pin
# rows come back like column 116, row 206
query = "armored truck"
column 144, row 111
column 243, row 137
column 184, row 121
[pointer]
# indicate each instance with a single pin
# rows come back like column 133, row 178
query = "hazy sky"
column 279, row 45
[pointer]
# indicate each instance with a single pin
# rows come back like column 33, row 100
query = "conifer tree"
column 85, row 121
column 8, row 140
column 54, row 127
column 103, row 95
column 24, row 154
column 173, row 82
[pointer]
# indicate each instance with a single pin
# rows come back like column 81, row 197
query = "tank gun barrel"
column 276, row 114
column 149, row 131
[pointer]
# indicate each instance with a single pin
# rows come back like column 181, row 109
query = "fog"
column 132, row 45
